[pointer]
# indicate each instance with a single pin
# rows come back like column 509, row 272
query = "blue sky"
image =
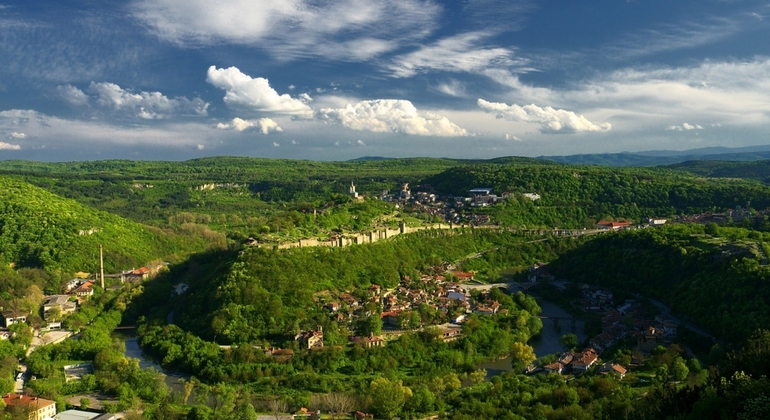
column 335, row 80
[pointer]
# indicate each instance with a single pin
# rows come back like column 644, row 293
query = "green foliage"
column 718, row 282
column 264, row 293
column 61, row 236
column 576, row 197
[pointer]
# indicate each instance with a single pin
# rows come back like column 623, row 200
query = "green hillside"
column 41, row 230
column 576, row 196
column 717, row 276
column 759, row 170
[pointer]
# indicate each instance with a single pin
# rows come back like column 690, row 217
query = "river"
column 547, row 342
column 172, row 380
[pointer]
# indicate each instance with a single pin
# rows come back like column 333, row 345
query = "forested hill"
column 572, row 193
column 759, row 170
column 41, row 230
column 717, row 276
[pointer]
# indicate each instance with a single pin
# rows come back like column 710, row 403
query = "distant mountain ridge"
column 666, row 157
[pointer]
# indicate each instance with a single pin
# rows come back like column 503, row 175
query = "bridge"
column 512, row 286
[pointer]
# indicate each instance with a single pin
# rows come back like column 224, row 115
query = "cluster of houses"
column 399, row 308
column 628, row 321
column 450, row 208
column 55, row 307
column 43, row 409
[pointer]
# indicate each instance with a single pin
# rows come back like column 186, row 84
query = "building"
column 368, row 342
column 13, row 316
column 311, row 339
column 39, row 408
column 85, row 290
column 62, row 302
column 608, row 224
column 83, row 415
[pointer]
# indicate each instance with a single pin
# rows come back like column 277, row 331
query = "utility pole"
column 101, row 265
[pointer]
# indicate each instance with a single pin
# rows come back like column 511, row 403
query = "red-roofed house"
column 85, row 290
column 40, row 409
column 607, row 224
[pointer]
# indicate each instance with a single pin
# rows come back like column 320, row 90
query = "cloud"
column 200, row 147
column 72, row 95
column 511, row 137
column 275, row 144
column 684, row 127
column 263, row 125
column 551, row 120
column 255, row 93
column 460, row 53
column 360, row 142
column 453, row 88
column 342, row 29
column 16, row 135
column 92, row 135
column 390, row 116
column 8, row 146
column 145, row 105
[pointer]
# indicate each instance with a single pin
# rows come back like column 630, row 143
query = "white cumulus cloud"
column 263, row 125
column 255, row 93
column 390, row 116
column 16, row 135
column 684, row 127
column 551, row 120
column 72, row 95
column 8, row 146
column 145, row 105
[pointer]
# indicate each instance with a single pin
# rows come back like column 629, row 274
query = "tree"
column 85, row 403
column 679, row 369
column 278, row 406
column 478, row 376
column 338, row 404
column 521, row 355
column 569, row 341
column 388, row 397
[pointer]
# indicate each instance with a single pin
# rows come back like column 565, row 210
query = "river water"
column 547, row 342
column 172, row 380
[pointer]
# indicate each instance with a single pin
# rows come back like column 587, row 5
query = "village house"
column 451, row 334
column 608, row 224
column 573, row 362
column 85, row 290
column 375, row 290
column 560, row 366
column 349, row 299
column 62, row 302
column 14, row 316
column 368, row 341
column 463, row 275
column 390, row 318
column 311, row 339
column 39, row 408
column 612, row 368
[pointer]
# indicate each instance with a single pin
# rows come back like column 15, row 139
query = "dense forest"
column 61, row 236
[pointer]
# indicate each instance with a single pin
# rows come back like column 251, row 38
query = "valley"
column 510, row 288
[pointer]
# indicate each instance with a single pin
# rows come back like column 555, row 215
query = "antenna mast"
column 101, row 265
